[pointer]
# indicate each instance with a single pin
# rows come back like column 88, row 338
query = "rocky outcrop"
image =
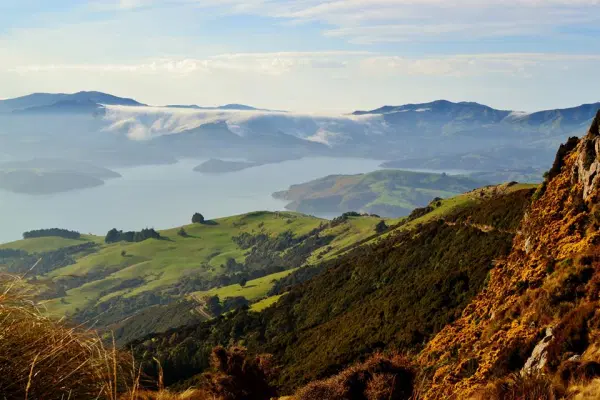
column 552, row 272
column 587, row 166
column 539, row 356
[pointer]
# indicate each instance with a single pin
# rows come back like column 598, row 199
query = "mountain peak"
column 436, row 105
column 82, row 101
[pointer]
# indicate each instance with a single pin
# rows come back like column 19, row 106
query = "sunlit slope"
column 128, row 269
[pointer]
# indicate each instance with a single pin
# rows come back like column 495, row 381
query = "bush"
column 197, row 218
column 378, row 378
column 381, row 227
column 236, row 376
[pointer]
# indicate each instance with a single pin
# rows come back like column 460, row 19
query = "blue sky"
column 306, row 55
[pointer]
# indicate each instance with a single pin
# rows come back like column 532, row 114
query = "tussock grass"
column 521, row 387
column 41, row 358
column 381, row 377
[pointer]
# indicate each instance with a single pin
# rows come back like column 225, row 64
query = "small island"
column 216, row 166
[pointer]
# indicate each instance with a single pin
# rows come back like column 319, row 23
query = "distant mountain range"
column 86, row 101
column 60, row 102
column 110, row 131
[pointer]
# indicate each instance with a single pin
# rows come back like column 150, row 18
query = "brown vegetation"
column 44, row 359
column 520, row 387
column 379, row 378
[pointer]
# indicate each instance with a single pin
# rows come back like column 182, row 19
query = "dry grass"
column 519, row 387
column 41, row 358
column 190, row 394
column 45, row 359
column 379, row 378
column 585, row 391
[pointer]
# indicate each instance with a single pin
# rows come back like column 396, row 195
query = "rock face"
column 551, row 278
column 587, row 167
column 539, row 356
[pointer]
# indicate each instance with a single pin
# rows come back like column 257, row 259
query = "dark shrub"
column 198, row 218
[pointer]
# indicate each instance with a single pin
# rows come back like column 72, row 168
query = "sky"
column 306, row 55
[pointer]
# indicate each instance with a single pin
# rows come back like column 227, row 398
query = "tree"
column 212, row 304
column 197, row 218
column 243, row 281
column 381, row 227
column 181, row 232
column 113, row 236
column 123, row 253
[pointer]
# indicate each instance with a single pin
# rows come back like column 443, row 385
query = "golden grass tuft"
column 45, row 359
column 585, row 390
column 520, row 387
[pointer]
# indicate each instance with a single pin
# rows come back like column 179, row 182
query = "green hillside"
column 389, row 193
column 90, row 280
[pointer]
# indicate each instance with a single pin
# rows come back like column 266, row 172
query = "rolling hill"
column 389, row 193
column 109, row 283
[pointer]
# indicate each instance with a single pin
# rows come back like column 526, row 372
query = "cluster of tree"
column 157, row 318
column 202, row 282
column 115, row 235
column 12, row 253
column 215, row 307
column 50, row 260
column 284, row 249
column 118, row 308
column 343, row 218
column 64, row 233
column 297, row 277
column 245, row 240
column 500, row 212
column 396, row 293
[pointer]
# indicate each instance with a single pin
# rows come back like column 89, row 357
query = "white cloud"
column 510, row 64
column 372, row 21
column 285, row 62
column 260, row 63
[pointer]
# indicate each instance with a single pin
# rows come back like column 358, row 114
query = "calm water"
column 164, row 196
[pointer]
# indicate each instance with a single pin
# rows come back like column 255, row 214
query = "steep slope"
column 546, row 288
column 395, row 291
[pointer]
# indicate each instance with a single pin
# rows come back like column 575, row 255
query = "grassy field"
column 160, row 264
column 265, row 303
column 43, row 244
column 254, row 289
